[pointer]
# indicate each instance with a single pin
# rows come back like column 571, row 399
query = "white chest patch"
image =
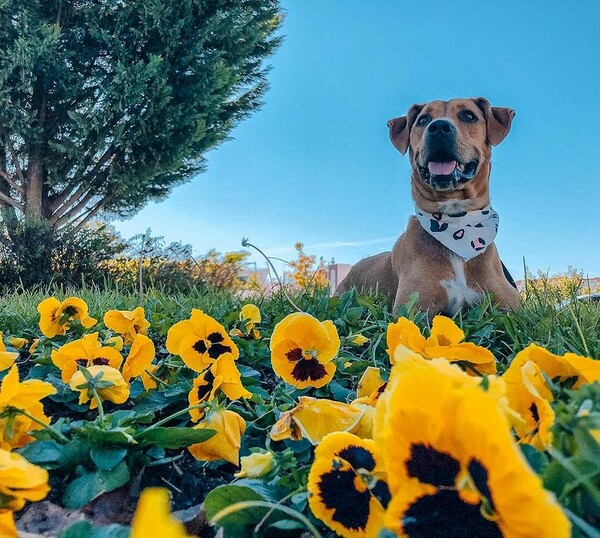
column 457, row 289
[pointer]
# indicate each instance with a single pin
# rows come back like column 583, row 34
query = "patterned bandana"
column 467, row 234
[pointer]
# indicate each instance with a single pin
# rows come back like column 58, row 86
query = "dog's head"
column 449, row 144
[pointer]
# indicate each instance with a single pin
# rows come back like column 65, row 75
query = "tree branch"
column 71, row 213
column 10, row 201
column 12, row 182
column 57, row 206
column 91, row 214
column 14, row 157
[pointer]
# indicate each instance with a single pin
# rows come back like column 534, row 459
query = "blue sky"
column 315, row 163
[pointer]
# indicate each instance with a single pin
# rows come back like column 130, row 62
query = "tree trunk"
column 34, row 187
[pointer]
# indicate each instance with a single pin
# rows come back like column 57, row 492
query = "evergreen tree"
column 107, row 104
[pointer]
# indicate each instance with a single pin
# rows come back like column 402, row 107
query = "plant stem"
column 99, row 401
column 175, row 415
column 268, row 514
column 243, row 505
column 245, row 243
column 157, row 379
column 47, row 427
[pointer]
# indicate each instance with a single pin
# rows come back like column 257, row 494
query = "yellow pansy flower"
column 250, row 315
column 148, row 381
column 7, row 358
column 87, row 352
column 26, row 396
column 117, row 392
column 127, row 323
column 359, row 340
column 303, row 349
column 34, row 345
column 223, row 375
column 452, row 463
column 256, row 465
column 153, row 518
column 314, row 418
column 369, row 382
column 200, row 341
column 16, row 342
column 115, row 341
column 225, row 444
column 139, row 358
column 55, row 315
column 20, row 481
column 8, row 528
column 445, row 341
column 347, row 485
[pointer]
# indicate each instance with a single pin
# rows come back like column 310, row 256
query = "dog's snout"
column 441, row 128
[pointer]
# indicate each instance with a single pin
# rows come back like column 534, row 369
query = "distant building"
column 337, row 272
column 256, row 278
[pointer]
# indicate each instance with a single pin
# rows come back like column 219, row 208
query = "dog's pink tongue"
column 441, row 169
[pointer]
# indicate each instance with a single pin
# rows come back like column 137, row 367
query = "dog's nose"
column 441, row 128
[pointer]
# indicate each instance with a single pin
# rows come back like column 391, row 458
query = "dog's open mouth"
column 444, row 172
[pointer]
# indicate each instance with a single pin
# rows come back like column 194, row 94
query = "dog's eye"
column 467, row 116
column 423, row 120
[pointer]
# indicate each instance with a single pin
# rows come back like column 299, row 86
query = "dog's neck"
column 466, row 233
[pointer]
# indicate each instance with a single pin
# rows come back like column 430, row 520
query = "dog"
column 447, row 253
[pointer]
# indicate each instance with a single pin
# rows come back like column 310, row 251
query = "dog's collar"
column 467, row 234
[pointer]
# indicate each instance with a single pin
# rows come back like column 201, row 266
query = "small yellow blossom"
column 86, row 351
column 359, row 339
column 116, row 342
column 256, row 465
column 18, row 343
column 7, row 358
column 140, row 357
column 445, row 342
column 55, row 316
column 225, row 444
column 116, row 391
column 152, row 516
column 16, row 395
column 250, row 315
column 127, row 323
column 200, row 341
column 20, row 481
column 303, row 349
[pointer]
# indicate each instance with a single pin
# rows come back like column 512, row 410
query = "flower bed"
column 262, row 421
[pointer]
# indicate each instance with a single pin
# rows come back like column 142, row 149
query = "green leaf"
column 89, row 486
column 174, row 437
column 239, row 524
column 287, row 525
column 84, row 529
column 81, row 529
column 42, row 452
column 107, row 437
column 107, row 458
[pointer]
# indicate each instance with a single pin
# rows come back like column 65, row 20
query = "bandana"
column 467, row 234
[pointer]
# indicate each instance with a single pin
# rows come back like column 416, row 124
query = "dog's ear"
column 400, row 128
column 498, row 120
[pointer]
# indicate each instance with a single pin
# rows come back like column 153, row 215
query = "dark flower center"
column 445, row 515
column 100, row 361
column 204, row 390
column 534, row 412
column 308, row 369
column 358, row 457
column 432, row 467
column 338, row 492
column 81, row 362
column 215, row 348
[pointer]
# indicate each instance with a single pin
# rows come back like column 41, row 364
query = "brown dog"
column 447, row 253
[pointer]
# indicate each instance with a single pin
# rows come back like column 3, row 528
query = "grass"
column 570, row 328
